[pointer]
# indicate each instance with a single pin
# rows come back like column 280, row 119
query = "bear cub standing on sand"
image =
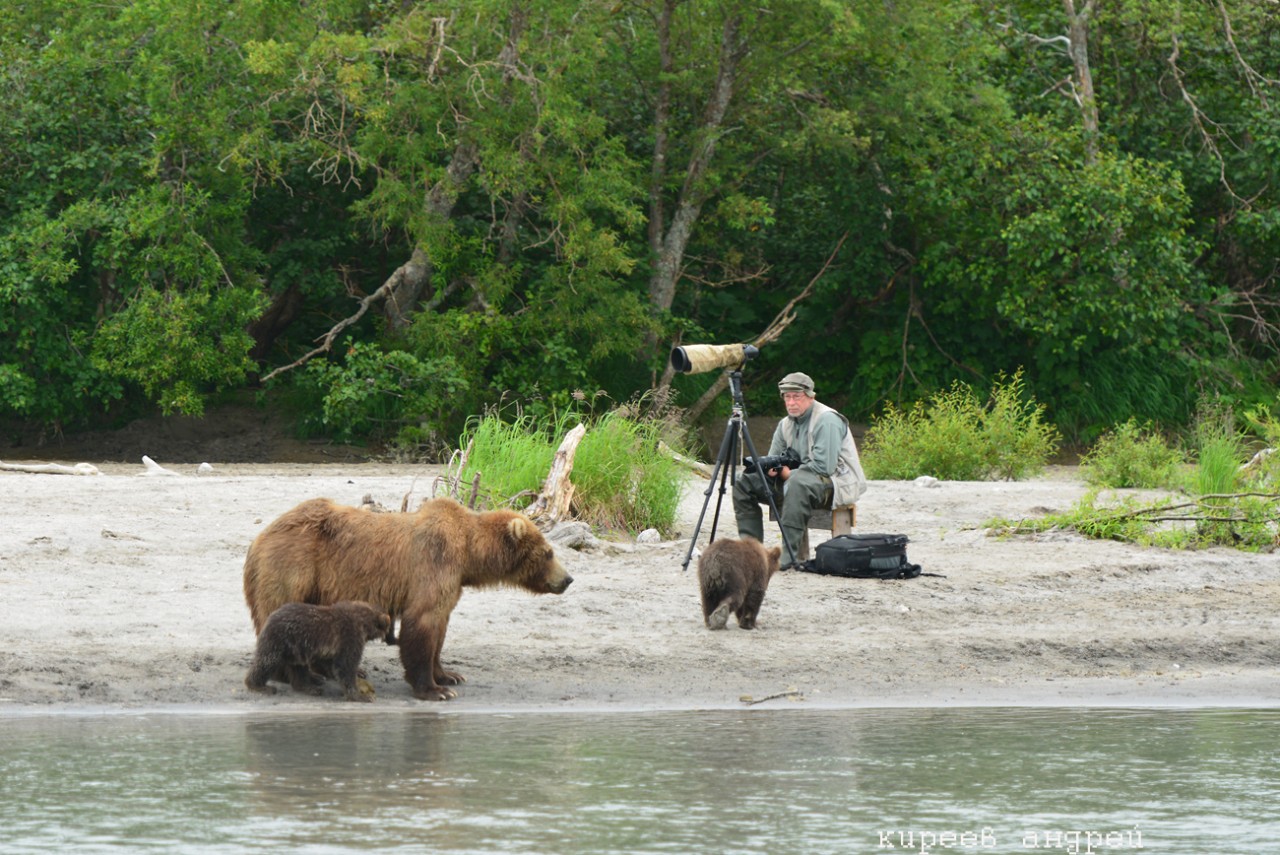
column 302, row 644
column 733, row 575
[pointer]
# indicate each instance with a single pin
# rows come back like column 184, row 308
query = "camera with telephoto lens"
column 697, row 358
column 770, row 462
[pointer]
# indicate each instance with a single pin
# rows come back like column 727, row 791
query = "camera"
column 697, row 358
column 770, row 462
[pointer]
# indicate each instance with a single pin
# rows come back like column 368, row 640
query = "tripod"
column 730, row 451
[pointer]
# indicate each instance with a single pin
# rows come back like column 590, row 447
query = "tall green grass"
column 621, row 477
column 512, row 458
column 1218, row 449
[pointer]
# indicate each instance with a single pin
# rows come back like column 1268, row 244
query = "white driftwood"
column 51, row 468
column 696, row 465
column 553, row 502
column 154, row 468
column 1257, row 460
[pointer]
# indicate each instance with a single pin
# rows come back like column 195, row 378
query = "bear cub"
column 733, row 576
column 301, row 644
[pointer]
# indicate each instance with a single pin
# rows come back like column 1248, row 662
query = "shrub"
column 384, row 395
column 1265, row 470
column 953, row 436
column 1018, row 441
column 1132, row 455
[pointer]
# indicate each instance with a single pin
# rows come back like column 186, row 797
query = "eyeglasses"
column 794, row 396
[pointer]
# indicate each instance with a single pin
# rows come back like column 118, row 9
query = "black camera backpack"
column 863, row 556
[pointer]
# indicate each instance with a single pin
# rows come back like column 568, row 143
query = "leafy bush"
column 1131, row 455
column 386, row 395
column 954, row 436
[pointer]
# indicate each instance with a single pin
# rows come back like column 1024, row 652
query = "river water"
column 751, row 781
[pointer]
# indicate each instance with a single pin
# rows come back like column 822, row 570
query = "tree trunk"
column 403, row 297
column 671, row 248
column 1078, row 48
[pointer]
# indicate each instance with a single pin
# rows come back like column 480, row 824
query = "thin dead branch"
column 771, row 334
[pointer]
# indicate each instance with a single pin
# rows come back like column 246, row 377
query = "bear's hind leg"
column 256, row 679
column 720, row 615
column 750, row 609
column 304, row 680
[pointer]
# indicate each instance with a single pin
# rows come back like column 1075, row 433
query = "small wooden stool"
column 839, row 520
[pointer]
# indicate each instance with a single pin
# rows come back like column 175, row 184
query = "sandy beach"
column 122, row 591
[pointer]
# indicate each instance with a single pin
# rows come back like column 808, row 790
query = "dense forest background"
column 389, row 216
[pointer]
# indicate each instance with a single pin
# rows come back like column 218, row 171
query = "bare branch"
column 771, row 333
column 1200, row 120
column 327, row 340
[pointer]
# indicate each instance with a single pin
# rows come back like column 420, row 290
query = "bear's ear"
column 775, row 553
column 518, row 528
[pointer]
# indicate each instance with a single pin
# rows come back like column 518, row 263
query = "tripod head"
column 735, row 391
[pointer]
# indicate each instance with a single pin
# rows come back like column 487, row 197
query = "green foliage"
column 621, row 478
column 1215, row 515
column 190, row 186
column 1249, row 522
column 954, row 436
column 1218, row 449
column 387, row 395
column 1132, row 455
column 1265, row 470
column 510, row 458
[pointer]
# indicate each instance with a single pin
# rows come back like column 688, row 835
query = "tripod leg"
column 787, row 553
column 731, row 460
column 722, row 461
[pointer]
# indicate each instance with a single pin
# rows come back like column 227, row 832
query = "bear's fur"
column 301, row 644
column 733, row 576
column 409, row 565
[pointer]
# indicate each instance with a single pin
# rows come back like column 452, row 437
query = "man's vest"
column 847, row 482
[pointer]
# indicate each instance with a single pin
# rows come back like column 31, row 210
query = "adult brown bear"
column 732, row 577
column 411, row 565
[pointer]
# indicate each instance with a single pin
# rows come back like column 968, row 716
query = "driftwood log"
column 552, row 504
column 50, row 468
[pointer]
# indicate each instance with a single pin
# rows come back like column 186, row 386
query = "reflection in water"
column 808, row 781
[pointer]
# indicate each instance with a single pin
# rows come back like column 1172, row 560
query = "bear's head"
column 538, row 570
column 373, row 623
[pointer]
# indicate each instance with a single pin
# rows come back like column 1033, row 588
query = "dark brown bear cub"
column 301, row 644
column 733, row 575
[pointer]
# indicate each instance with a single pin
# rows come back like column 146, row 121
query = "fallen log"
column 50, row 468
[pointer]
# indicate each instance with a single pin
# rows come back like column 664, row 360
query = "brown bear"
column 733, row 576
column 410, row 564
column 301, row 644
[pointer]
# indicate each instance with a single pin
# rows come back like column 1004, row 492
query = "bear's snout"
column 558, row 584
